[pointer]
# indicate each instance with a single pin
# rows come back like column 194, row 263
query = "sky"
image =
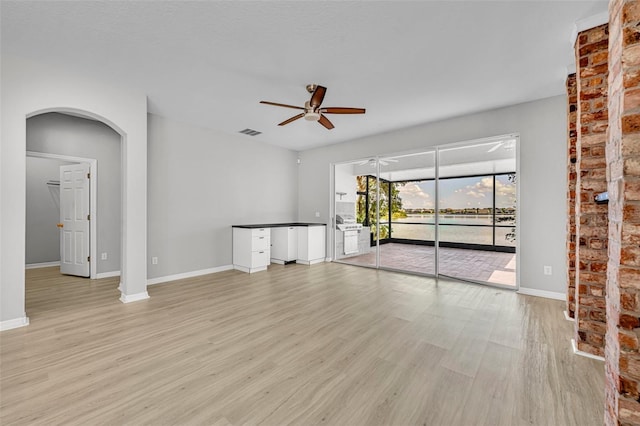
column 459, row 193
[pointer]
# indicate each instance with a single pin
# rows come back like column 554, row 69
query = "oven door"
column 350, row 242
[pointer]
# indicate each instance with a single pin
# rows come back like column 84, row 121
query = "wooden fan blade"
column 325, row 122
column 281, row 105
column 317, row 97
column 294, row 118
column 341, row 110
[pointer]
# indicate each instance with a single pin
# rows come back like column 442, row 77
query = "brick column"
column 572, row 157
column 622, row 359
column 591, row 218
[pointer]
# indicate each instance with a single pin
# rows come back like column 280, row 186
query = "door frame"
column 93, row 198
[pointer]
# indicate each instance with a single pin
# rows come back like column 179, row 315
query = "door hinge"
column 88, row 175
column 88, row 258
column 88, row 217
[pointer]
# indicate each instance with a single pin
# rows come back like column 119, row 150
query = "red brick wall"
column 591, row 218
column 622, row 359
column 572, row 157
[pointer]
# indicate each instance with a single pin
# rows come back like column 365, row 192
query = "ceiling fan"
column 372, row 162
column 312, row 110
column 508, row 144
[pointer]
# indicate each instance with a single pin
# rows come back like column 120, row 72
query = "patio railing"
column 471, row 236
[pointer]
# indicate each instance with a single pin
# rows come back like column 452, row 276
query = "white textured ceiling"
column 209, row 62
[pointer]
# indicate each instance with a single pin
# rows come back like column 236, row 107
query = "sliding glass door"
column 477, row 212
column 448, row 211
column 355, row 217
column 407, row 213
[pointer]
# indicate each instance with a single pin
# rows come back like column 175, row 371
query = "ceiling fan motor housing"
column 312, row 116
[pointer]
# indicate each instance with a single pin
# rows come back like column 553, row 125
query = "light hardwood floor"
column 327, row 344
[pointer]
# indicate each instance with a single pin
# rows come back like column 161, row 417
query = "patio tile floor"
column 476, row 265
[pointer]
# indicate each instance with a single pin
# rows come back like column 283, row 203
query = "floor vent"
column 250, row 132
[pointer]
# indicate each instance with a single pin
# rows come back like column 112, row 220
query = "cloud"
column 476, row 194
column 505, row 189
column 414, row 197
column 485, row 185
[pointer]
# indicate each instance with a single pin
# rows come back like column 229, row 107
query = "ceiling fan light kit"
column 312, row 116
column 312, row 110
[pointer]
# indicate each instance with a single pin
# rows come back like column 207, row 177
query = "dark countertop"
column 278, row 225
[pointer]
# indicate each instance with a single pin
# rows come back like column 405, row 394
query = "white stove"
column 350, row 228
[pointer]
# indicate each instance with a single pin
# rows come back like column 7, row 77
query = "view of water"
column 421, row 227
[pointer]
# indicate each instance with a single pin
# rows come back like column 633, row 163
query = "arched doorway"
column 53, row 140
column 31, row 88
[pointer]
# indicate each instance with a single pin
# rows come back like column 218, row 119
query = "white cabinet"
column 284, row 244
column 364, row 240
column 255, row 248
column 311, row 244
column 251, row 249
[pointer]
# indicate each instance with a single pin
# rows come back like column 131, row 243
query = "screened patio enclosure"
column 449, row 211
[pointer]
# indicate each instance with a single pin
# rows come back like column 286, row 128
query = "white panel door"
column 74, row 220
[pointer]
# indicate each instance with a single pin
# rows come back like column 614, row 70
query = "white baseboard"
column 310, row 262
column 328, row 259
column 583, row 353
column 14, row 323
column 41, row 265
column 249, row 270
column 542, row 293
column 128, row 298
column 189, row 274
column 567, row 317
column 107, row 274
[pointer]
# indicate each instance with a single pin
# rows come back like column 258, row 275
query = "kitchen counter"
column 255, row 246
column 278, row 225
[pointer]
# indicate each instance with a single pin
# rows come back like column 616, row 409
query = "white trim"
column 583, row 353
column 310, row 262
column 567, row 317
column 107, row 274
column 41, row 265
column 516, row 136
column 14, row 323
column 541, row 293
column 191, row 274
column 328, row 259
column 588, row 23
column 249, row 270
column 93, row 201
column 128, row 298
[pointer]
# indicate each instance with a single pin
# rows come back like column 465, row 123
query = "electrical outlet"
column 547, row 270
column 317, row 214
column 103, row 256
column 154, row 260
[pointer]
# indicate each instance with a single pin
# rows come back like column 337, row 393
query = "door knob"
column 60, row 225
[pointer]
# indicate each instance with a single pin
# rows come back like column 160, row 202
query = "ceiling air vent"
column 250, row 132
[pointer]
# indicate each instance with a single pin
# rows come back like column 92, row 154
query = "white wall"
column 29, row 88
column 345, row 181
column 78, row 137
column 200, row 183
column 542, row 175
column 43, row 210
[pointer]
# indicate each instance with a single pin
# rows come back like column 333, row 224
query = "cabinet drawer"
column 260, row 258
column 260, row 232
column 260, row 243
